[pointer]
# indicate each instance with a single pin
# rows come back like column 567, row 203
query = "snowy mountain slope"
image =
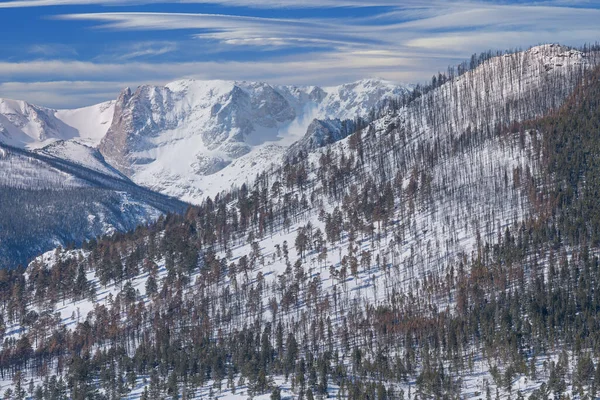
column 28, row 172
column 357, row 99
column 23, row 124
column 447, row 146
column 512, row 87
column 189, row 130
column 171, row 138
column 77, row 176
column 91, row 122
column 81, row 154
column 204, row 117
column 346, row 101
column 28, row 126
column 320, row 133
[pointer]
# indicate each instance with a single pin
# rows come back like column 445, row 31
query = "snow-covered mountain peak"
column 556, row 54
column 354, row 99
column 547, row 48
column 189, row 128
column 371, row 83
column 125, row 95
column 548, row 56
column 184, row 85
column 170, row 137
column 25, row 125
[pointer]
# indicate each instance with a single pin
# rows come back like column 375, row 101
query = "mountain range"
column 171, row 138
column 191, row 139
column 186, row 140
column 366, row 241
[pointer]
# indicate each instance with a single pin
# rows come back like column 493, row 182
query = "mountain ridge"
column 49, row 200
column 220, row 121
column 188, row 129
column 432, row 251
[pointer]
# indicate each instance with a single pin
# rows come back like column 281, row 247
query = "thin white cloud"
column 233, row 3
column 233, row 30
column 141, row 50
column 178, row 21
column 465, row 43
column 408, row 42
column 453, row 27
column 507, row 17
column 52, row 50
column 62, row 94
column 286, row 69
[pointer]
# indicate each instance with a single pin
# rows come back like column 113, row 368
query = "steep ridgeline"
column 192, row 138
column 25, row 125
column 512, row 87
column 442, row 251
column 47, row 200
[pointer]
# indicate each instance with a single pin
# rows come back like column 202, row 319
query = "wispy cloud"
column 62, row 94
column 265, row 4
column 402, row 41
column 239, row 30
column 294, row 69
column 453, row 27
column 52, row 50
column 140, row 50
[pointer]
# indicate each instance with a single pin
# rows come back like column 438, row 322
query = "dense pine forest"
column 448, row 248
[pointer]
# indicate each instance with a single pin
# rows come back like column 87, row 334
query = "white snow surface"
column 91, row 123
column 29, row 126
column 182, row 138
column 80, row 154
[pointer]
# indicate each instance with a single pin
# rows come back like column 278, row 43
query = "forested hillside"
column 47, row 201
column 447, row 249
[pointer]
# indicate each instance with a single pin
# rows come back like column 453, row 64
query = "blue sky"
column 69, row 53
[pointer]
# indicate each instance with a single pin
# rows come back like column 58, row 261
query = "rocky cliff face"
column 112, row 145
column 223, row 117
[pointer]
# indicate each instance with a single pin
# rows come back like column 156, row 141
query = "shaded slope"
column 45, row 202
